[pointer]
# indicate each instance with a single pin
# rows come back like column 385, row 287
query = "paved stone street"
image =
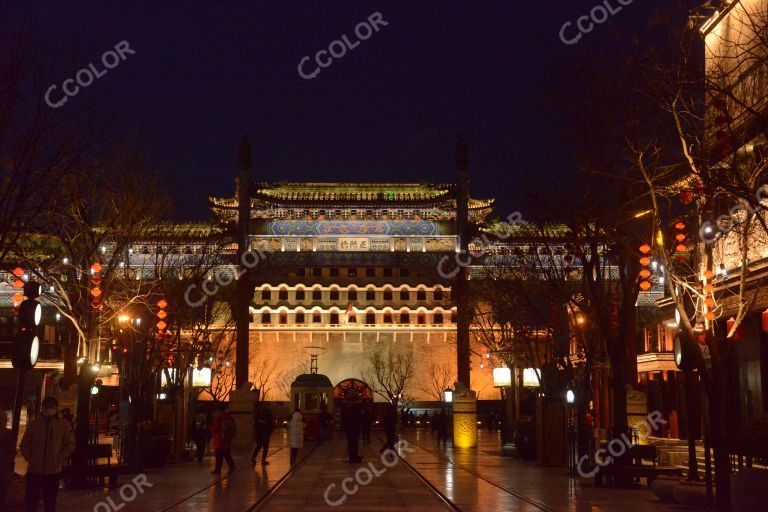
column 474, row 480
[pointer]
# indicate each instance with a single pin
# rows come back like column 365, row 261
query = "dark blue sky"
column 205, row 73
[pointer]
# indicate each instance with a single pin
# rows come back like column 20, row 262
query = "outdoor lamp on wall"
column 448, row 396
column 570, row 397
column 502, row 378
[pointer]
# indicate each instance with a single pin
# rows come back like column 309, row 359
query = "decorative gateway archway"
column 352, row 389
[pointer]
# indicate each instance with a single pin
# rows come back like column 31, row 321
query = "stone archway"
column 344, row 388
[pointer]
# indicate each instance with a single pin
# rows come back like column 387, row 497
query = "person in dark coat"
column 201, row 434
column 223, row 431
column 390, row 427
column 351, row 418
column 365, row 424
column 262, row 431
column 442, row 427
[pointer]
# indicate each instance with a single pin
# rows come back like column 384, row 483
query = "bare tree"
column 286, row 379
column 390, row 374
column 262, row 375
column 440, row 377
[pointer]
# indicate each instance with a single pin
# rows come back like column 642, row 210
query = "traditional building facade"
column 352, row 269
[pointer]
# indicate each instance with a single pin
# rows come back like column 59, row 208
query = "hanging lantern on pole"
column 765, row 320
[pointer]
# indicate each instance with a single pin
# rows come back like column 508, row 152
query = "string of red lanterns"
column 645, row 260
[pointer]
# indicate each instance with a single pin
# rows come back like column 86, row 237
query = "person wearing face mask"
column 47, row 443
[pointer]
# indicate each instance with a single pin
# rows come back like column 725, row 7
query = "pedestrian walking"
column 224, row 431
column 365, row 424
column 325, row 419
column 201, row 434
column 296, row 434
column 47, row 443
column 442, row 428
column 351, row 417
column 262, row 430
column 390, row 427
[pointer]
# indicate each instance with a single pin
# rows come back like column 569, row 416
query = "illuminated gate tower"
column 353, row 267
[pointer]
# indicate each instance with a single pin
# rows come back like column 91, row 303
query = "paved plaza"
column 429, row 478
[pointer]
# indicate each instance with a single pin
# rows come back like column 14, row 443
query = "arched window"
column 370, row 318
column 283, row 318
column 316, row 318
column 387, row 318
column 317, row 295
column 300, row 317
column 299, row 294
column 282, row 294
column 438, row 319
column 453, row 317
column 334, row 295
column 352, row 295
column 370, row 295
column 388, row 295
column 334, row 318
column 404, row 295
column 405, row 318
column 266, row 318
column 421, row 295
column 422, row 318
column 266, row 295
column 438, row 293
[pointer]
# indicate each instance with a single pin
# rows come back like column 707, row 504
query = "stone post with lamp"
column 464, row 417
column 242, row 406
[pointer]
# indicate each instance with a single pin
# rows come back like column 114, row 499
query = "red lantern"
column 18, row 271
column 765, row 320
column 686, row 196
column 645, row 248
column 645, row 285
column 739, row 334
column 96, row 267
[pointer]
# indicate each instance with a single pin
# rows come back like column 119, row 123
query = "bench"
column 637, row 469
column 102, row 472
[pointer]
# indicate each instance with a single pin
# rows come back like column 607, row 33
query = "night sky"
column 205, row 73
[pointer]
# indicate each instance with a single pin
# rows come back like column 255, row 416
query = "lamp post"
column 570, row 400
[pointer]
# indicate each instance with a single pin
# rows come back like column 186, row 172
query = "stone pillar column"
column 242, row 406
column 464, row 417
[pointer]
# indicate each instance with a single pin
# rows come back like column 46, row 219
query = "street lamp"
column 448, row 395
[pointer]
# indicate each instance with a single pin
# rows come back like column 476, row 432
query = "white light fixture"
column 65, row 261
column 502, row 378
column 95, row 368
column 448, row 396
column 530, row 378
column 570, row 397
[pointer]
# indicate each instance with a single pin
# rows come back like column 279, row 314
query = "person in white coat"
column 296, row 434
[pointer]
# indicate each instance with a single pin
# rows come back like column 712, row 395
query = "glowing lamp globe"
column 502, row 378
